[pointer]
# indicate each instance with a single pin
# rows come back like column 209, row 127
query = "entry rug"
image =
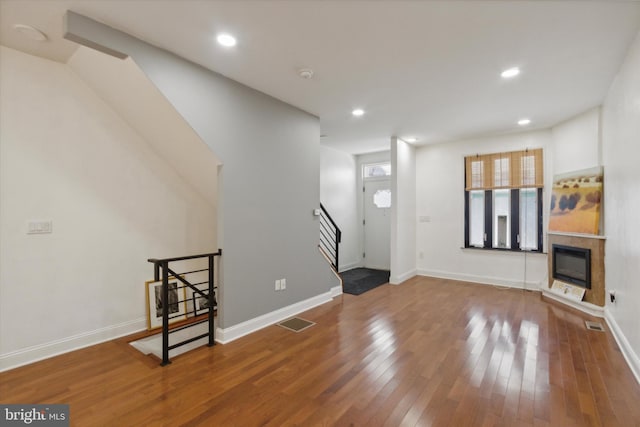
column 360, row 280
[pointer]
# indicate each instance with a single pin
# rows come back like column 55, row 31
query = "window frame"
column 382, row 164
column 514, row 215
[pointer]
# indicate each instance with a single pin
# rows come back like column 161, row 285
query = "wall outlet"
column 283, row 284
column 278, row 285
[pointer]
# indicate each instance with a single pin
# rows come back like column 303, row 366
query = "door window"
column 382, row 198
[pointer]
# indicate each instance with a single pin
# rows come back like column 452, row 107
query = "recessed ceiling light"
column 358, row 112
column 524, row 122
column 226, row 40
column 30, row 32
column 411, row 139
column 305, row 73
column 510, row 72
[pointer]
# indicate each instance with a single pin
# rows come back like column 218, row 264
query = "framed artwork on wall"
column 177, row 302
column 200, row 304
column 576, row 202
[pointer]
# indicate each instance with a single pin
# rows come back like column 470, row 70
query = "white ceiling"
column 428, row 69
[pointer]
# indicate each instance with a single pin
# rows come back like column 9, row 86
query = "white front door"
column 377, row 223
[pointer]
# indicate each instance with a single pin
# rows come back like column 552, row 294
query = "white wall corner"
column 232, row 333
column 398, row 279
column 351, row 265
column 39, row 352
column 336, row 291
column 627, row 351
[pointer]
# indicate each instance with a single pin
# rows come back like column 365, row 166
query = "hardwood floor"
column 428, row 352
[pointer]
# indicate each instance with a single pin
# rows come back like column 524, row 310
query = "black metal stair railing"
column 330, row 237
column 162, row 269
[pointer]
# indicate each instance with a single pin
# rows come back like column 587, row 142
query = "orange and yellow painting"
column 576, row 199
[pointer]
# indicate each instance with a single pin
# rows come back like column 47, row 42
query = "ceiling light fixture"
column 30, row 32
column 305, row 73
column 509, row 73
column 524, row 122
column 226, row 40
column 358, row 112
column 411, row 139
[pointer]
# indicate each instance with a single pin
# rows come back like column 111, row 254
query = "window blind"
column 515, row 169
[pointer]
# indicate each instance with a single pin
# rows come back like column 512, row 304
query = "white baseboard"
column 39, row 352
column 226, row 335
column 629, row 355
column 349, row 266
column 397, row 279
column 484, row 280
column 336, row 291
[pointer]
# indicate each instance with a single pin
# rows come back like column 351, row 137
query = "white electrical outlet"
column 283, row 284
column 278, row 285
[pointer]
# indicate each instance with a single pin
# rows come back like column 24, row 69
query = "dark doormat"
column 360, row 280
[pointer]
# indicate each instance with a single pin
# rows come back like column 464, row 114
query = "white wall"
column 621, row 151
column 338, row 194
column 440, row 199
column 128, row 91
column 66, row 156
column 403, row 211
column 270, row 181
column 576, row 143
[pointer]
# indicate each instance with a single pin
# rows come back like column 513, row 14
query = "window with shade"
column 503, row 201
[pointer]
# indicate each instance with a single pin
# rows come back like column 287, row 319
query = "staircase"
column 330, row 237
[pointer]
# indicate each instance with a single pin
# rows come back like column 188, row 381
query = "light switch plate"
column 40, row 227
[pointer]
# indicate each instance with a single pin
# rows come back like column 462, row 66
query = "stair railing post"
column 165, row 313
column 156, row 271
column 338, row 238
column 211, row 296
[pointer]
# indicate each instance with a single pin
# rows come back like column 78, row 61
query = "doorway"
column 377, row 223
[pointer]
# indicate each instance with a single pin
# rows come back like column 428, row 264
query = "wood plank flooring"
column 430, row 352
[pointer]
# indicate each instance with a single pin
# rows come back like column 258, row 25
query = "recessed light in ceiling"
column 510, row 73
column 524, row 122
column 305, row 73
column 411, row 139
column 226, row 40
column 30, row 32
column 358, row 112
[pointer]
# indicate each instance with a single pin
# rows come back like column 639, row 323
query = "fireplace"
column 572, row 265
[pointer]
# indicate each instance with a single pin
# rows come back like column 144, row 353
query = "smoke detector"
column 305, row 73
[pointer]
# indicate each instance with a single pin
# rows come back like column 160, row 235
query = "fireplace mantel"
column 586, row 236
